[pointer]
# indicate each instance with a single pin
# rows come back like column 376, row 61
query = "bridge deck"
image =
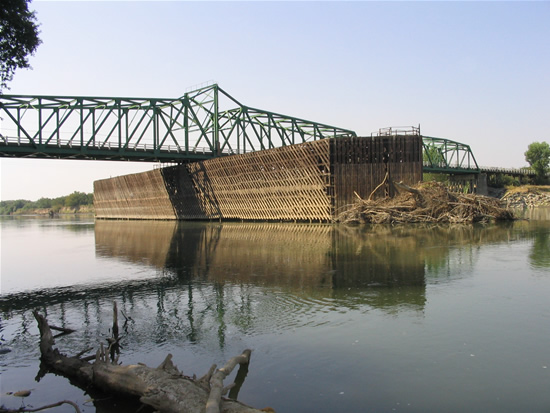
column 16, row 147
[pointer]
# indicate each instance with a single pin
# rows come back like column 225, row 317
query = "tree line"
column 74, row 200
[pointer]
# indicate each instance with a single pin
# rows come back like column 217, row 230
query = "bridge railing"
column 398, row 130
column 23, row 145
column 442, row 167
column 508, row 171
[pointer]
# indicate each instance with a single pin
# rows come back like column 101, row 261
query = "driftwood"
column 216, row 382
column 39, row 409
column 164, row 388
column 427, row 202
column 378, row 187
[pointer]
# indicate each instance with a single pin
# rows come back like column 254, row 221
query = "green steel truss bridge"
column 447, row 156
column 202, row 124
column 188, row 128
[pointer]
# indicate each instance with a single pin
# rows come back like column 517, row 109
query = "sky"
column 474, row 72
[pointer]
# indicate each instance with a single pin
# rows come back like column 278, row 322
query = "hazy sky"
column 475, row 72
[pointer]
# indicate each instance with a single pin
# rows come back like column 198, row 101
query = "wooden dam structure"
column 311, row 181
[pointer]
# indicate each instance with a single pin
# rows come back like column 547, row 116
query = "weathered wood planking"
column 312, row 181
column 136, row 196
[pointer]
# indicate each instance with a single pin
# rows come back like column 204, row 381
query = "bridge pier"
column 312, row 181
column 482, row 187
column 469, row 183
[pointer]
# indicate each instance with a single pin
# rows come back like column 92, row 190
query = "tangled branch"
column 428, row 202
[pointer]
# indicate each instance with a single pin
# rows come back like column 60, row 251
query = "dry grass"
column 527, row 189
column 427, row 202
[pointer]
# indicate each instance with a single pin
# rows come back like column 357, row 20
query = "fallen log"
column 164, row 388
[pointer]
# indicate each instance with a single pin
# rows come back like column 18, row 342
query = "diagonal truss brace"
column 196, row 125
column 444, row 155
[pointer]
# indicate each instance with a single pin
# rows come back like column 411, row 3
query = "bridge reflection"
column 208, row 279
column 305, row 259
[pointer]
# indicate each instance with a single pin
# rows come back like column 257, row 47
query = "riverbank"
column 527, row 196
column 83, row 209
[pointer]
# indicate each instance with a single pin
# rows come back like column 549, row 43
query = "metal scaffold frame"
column 192, row 127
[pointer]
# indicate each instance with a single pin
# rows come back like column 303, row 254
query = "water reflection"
column 540, row 251
column 534, row 214
column 211, row 288
column 322, row 261
column 309, row 262
column 208, row 279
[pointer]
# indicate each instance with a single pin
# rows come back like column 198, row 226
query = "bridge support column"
column 469, row 183
column 482, row 187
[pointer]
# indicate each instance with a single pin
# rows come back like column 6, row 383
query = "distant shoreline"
column 82, row 210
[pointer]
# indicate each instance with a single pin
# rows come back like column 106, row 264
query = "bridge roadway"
column 22, row 148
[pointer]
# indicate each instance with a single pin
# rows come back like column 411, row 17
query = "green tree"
column 43, row 203
column 9, row 207
column 538, row 156
column 76, row 199
column 18, row 38
column 433, row 156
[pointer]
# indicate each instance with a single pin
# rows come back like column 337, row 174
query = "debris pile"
column 426, row 202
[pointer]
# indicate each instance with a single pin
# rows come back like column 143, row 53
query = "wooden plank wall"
column 135, row 196
column 360, row 164
column 282, row 184
column 189, row 203
column 313, row 181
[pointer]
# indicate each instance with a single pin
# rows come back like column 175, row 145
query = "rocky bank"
column 527, row 197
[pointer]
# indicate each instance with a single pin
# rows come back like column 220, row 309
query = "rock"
column 529, row 198
column 22, row 393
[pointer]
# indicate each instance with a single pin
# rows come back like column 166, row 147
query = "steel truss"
column 447, row 156
column 192, row 127
column 439, row 155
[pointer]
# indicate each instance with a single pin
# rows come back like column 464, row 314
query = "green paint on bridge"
column 193, row 127
column 202, row 124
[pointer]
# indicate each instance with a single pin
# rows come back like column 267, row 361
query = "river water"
column 340, row 319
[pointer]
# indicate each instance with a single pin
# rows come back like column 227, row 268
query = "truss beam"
column 447, row 156
column 194, row 126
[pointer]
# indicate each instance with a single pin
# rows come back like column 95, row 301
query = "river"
column 340, row 319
